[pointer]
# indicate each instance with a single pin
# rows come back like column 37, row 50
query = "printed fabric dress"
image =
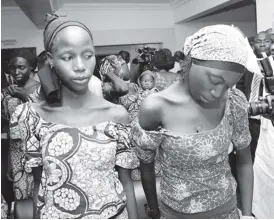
column 162, row 83
column 196, row 173
column 4, row 208
column 79, row 179
column 8, row 106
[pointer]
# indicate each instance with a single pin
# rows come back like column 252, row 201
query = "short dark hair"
column 163, row 59
column 125, row 55
column 178, row 55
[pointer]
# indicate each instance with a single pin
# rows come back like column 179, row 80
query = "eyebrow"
column 219, row 77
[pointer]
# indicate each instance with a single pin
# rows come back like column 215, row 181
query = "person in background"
column 164, row 62
column 271, row 32
column 126, row 57
column 114, row 74
column 254, row 86
column 20, row 66
column 263, row 197
column 178, row 57
column 80, row 141
column 137, row 93
column 193, row 123
column 272, row 49
column 262, row 44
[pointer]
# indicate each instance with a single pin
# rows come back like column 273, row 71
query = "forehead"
column 262, row 36
column 226, row 75
column 147, row 76
column 73, row 36
column 18, row 61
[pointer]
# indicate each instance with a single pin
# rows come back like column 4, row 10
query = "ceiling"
column 10, row 3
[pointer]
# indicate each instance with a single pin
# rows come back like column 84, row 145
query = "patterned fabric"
column 196, row 172
column 217, row 42
column 78, row 178
column 132, row 102
column 9, row 104
column 112, row 64
column 4, row 208
column 162, row 83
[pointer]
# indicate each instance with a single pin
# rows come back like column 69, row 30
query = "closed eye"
column 212, row 81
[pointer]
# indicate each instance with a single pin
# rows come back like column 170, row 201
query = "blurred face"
column 73, row 58
column 272, row 49
column 20, row 70
column 262, row 43
column 147, row 82
column 209, row 84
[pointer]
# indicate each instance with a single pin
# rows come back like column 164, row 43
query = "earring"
column 212, row 91
column 51, row 65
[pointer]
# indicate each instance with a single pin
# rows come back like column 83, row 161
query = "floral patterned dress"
column 196, row 173
column 4, row 208
column 79, row 179
column 8, row 106
column 162, row 83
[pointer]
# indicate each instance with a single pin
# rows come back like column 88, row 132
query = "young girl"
column 137, row 93
column 192, row 123
column 80, row 140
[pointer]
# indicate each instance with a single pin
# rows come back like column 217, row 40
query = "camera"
column 263, row 107
column 146, row 54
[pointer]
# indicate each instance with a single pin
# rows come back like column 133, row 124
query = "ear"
column 49, row 59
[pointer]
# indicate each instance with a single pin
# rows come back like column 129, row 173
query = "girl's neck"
column 74, row 100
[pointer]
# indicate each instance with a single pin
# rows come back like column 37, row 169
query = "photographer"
column 263, row 195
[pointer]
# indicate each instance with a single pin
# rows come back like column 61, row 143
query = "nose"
column 217, row 91
column 262, row 44
column 79, row 65
column 17, row 71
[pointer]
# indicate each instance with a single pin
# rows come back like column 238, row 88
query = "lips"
column 81, row 80
column 204, row 99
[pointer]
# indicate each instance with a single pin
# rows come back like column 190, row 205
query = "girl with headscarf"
column 194, row 121
column 113, row 70
column 21, row 64
column 78, row 139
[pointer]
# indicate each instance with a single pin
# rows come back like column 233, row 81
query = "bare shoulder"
column 152, row 102
column 119, row 114
column 150, row 113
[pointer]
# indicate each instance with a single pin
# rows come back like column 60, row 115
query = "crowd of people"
column 81, row 136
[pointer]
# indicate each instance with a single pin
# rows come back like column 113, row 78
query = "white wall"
column 265, row 14
column 244, row 18
column 182, row 31
column 109, row 25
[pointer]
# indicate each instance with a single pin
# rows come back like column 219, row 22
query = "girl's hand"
column 18, row 92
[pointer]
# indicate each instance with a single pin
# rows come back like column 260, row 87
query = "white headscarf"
column 219, row 43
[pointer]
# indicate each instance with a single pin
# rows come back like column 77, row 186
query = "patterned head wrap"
column 55, row 25
column 50, row 82
column 111, row 63
column 217, row 43
column 147, row 72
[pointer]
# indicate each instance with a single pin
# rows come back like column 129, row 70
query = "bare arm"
column 149, row 119
column 125, row 178
column 244, row 171
column 120, row 87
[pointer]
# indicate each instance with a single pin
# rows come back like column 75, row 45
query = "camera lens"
column 258, row 108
